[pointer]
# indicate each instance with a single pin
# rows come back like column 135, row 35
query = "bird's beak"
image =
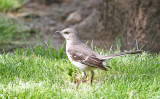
column 58, row 32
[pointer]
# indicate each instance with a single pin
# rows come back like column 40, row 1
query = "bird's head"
column 68, row 33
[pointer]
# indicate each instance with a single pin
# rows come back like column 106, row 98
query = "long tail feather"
column 122, row 54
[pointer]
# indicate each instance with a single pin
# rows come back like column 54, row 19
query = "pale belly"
column 82, row 67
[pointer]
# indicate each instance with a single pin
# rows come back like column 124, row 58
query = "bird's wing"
column 85, row 58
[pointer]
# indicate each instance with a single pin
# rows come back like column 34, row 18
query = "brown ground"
column 45, row 20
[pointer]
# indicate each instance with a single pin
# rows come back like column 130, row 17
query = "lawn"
column 42, row 72
column 9, row 5
column 13, row 33
column 11, row 29
column 45, row 73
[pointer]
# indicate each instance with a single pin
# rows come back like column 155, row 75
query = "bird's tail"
column 122, row 54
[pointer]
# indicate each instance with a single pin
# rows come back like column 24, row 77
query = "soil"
column 44, row 20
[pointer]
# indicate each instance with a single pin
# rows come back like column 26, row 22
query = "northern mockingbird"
column 83, row 57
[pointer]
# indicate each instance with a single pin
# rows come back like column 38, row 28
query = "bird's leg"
column 83, row 75
column 92, row 75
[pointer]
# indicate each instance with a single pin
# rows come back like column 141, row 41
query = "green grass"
column 13, row 33
column 9, row 5
column 11, row 29
column 45, row 73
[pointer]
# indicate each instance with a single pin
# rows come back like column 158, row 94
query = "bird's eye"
column 66, row 32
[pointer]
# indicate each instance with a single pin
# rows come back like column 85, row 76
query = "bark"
column 142, row 25
column 104, row 24
column 137, row 22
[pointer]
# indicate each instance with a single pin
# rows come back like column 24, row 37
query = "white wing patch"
column 86, row 59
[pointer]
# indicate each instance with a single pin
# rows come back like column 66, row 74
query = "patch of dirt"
column 45, row 20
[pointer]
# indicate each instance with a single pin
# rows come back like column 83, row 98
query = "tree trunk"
column 137, row 22
column 104, row 24
column 142, row 26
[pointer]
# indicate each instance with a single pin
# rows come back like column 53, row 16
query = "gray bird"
column 83, row 57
